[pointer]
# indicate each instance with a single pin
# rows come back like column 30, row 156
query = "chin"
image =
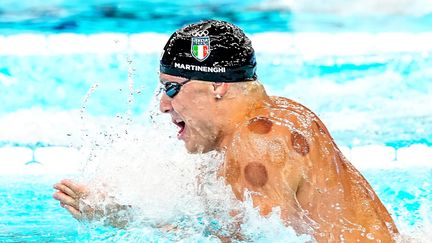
column 195, row 148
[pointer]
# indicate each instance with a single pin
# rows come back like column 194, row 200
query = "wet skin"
column 284, row 153
column 280, row 151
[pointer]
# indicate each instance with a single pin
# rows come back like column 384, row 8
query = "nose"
column 165, row 105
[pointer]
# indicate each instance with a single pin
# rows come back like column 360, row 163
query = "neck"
column 238, row 110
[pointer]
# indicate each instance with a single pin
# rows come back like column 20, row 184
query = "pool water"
column 28, row 213
column 73, row 74
column 387, row 98
column 131, row 16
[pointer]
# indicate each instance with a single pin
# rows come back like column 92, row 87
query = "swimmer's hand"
column 69, row 194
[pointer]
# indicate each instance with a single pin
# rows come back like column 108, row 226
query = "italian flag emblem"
column 200, row 48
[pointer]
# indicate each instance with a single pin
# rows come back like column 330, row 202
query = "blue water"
column 387, row 94
column 133, row 16
column 381, row 90
column 29, row 214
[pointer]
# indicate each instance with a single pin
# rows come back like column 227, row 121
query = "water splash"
column 169, row 195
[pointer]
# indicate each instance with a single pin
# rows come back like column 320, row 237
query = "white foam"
column 147, row 42
column 363, row 8
column 373, row 156
column 67, row 43
column 13, row 160
column 346, row 151
column 59, row 160
column 7, row 80
column 406, row 42
column 417, row 154
column 2, row 44
column 32, row 126
column 264, row 42
column 63, row 129
column 25, row 44
column 44, row 161
column 66, row 160
column 108, row 43
column 309, row 45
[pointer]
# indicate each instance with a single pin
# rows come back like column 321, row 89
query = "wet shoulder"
column 275, row 134
column 299, row 119
column 282, row 119
column 265, row 146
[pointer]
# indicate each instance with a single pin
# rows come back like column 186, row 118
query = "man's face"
column 193, row 110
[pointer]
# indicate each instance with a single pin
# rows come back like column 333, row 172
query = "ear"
column 220, row 89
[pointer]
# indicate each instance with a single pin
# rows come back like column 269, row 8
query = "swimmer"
column 274, row 147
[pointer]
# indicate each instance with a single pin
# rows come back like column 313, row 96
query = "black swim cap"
column 211, row 50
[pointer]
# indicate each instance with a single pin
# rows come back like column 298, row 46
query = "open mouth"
column 182, row 125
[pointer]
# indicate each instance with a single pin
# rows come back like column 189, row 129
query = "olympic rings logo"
column 200, row 33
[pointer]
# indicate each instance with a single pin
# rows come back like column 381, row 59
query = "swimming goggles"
column 173, row 88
